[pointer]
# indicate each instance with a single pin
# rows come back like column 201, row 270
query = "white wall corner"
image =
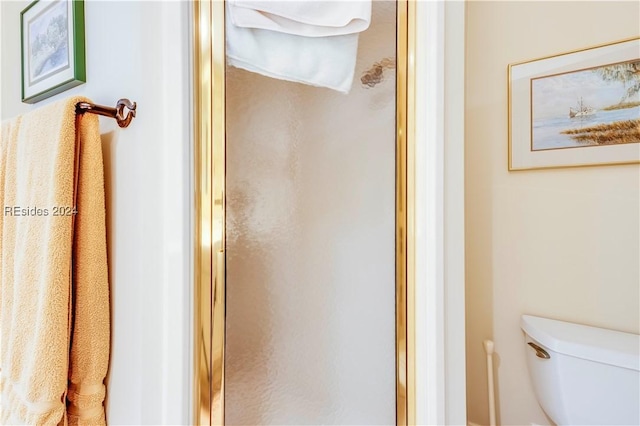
column 454, row 211
column 440, row 332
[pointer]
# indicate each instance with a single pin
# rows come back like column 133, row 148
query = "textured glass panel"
column 310, row 244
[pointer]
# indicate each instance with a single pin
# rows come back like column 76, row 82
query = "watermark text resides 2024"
column 19, row 211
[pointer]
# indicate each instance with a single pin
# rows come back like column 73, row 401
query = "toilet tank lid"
column 582, row 341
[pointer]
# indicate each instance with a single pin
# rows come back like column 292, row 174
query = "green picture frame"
column 52, row 48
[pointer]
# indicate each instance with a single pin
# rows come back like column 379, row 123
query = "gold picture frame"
column 576, row 109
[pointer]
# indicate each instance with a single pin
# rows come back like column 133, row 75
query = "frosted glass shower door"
column 310, row 244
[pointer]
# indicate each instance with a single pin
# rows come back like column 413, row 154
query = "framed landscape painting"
column 576, row 109
column 52, row 39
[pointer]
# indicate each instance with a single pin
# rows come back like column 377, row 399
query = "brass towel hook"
column 120, row 117
column 118, row 112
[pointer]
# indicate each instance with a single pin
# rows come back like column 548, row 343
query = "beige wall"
column 561, row 243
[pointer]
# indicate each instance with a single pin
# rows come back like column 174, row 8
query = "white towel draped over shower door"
column 312, row 42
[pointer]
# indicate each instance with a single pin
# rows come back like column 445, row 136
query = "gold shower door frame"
column 209, row 185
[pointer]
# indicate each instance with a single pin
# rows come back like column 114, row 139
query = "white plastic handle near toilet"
column 488, row 348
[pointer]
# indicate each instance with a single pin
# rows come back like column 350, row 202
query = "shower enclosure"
column 303, row 194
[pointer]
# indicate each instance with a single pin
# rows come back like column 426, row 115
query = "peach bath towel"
column 54, row 291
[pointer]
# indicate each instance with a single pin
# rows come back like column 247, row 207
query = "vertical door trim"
column 209, row 184
column 440, row 271
column 219, row 208
column 405, row 214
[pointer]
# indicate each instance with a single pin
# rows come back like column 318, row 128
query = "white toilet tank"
column 591, row 375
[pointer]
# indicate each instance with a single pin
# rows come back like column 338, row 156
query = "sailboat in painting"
column 582, row 110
